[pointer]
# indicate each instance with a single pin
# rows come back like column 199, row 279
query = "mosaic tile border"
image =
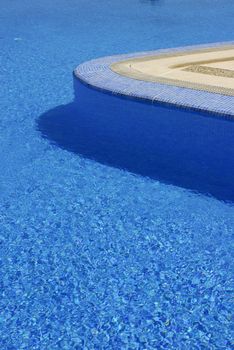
column 98, row 74
column 219, row 72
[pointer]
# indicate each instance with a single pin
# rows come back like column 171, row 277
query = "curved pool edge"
column 98, row 74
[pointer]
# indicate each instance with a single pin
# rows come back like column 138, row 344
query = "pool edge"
column 98, row 74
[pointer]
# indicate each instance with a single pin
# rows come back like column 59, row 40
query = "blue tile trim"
column 97, row 74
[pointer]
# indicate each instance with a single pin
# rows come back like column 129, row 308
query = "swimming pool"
column 96, row 254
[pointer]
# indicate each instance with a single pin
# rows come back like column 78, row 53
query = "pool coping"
column 98, row 74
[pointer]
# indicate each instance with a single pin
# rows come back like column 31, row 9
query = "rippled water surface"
column 93, row 256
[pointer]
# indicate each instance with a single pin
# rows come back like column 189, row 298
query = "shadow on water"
column 152, row 2
column 183, row 148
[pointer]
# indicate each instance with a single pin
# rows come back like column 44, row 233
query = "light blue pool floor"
column 91, row 256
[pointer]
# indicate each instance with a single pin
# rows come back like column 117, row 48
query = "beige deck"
column 209, row 69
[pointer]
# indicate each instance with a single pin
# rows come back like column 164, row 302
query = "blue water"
column 93, row 256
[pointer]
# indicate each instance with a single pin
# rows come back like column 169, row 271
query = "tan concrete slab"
column 210, row 69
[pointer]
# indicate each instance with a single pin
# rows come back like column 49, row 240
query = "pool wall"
column 189, row 149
